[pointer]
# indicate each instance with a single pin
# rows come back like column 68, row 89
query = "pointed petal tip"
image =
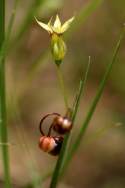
column 57, row 16
column 44, row 26
column 67, row 24
column 57, row 23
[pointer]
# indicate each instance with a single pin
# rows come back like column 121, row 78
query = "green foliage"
column 3, row 118
column 74, row 111
column 87, row 119
column 95, row 100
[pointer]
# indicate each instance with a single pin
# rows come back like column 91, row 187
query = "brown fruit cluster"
column 53, row 144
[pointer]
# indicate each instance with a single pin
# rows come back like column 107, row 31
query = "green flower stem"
column 59, row 164
column 95, row 102
column 3, row 118
column 62, row 86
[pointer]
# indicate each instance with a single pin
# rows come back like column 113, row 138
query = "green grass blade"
column 60, row 160
column 4, row 48
column 12, row 18
column 80, row 91
column 96, row 99
column 3, row 118
column 75, row 110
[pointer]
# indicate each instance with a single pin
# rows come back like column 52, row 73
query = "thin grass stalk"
column 60, row 160
column 80, row 91
column 5, row 45
column 3, row 117
column 76, row 104
column 98, row 95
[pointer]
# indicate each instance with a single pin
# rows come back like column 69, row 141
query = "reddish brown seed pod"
column 48, row 143
column 61, row 124
column 51, row 145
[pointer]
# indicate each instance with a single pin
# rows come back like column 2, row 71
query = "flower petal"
column 50, row 24
column 67, row 24
column 44, row 26
column 57, row 23
column 56, row 30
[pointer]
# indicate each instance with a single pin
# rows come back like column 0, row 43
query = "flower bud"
column 58, row 48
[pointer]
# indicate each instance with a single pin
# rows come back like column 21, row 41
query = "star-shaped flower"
column 56, row 27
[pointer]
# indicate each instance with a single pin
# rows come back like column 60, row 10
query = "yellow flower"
column 58, row 46
column 56, row 27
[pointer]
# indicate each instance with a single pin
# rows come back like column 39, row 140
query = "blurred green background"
column 33, row 90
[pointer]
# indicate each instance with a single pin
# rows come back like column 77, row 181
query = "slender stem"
column 95, row 101
column 3, row 118
column 5, row 45
column 80, row 90
column 62, row 86
column 59, row 164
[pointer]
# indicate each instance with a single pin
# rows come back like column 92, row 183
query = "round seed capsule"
column 51, row 144
column 61, row 124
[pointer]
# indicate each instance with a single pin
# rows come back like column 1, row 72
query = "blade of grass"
column 11, row 21
column 60, row 160
column 26, row 23
column 5, row 45
column 80, row 91
column 3, row 118
column 95, row 101
column 75, row 107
